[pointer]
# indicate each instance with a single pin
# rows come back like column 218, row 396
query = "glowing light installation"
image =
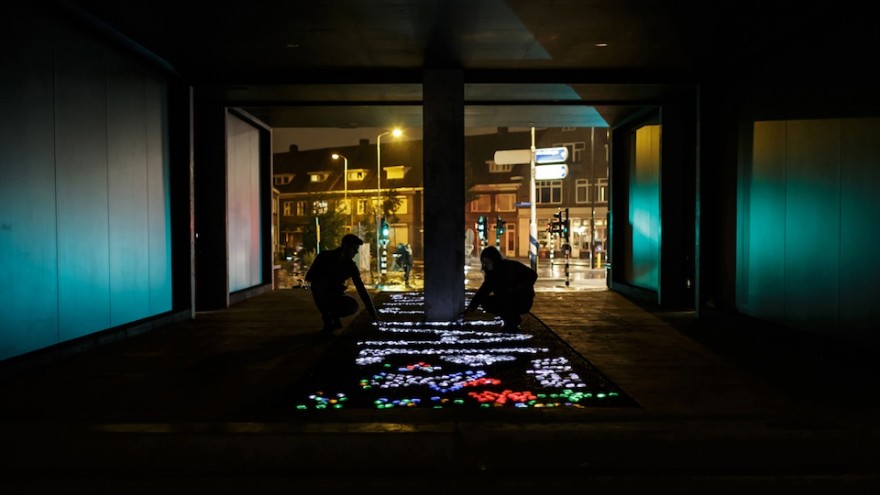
column 406, row 361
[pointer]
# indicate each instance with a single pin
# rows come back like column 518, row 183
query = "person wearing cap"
column 508, row 288
column 327, row 280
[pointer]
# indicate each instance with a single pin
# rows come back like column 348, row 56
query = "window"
column 288, row 208
column 300, row 208
column 603, row 191
column 582, row 191
column 356, row 175
column 495, row 168
column 402, row 205
column 396, row 172
column 548, row 192
column 318, row 176
column 319, row 207
column 362, row 206
column 505, row 202
column 283, row 179
column 483, row 202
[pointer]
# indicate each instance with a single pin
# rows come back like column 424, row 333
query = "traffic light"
column 565, row 226
column 481, row 227
column 556, row 224
column 384, row 231
column 499, row 229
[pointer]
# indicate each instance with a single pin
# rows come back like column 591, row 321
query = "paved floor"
column 724, row 406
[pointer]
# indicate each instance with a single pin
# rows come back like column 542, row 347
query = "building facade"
column 311, row 182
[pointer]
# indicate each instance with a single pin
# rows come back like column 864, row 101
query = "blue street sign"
column 551, row 155
column 551, row 172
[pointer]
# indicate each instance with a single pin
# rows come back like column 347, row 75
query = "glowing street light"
column 394, row 133
column 337, row 156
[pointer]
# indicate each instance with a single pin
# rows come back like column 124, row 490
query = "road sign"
column 551, row 172
column 542, row 156
column 551, row 155
column 513, row 157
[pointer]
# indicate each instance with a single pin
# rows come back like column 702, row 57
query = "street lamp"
column 337, row 156
column 394, row 133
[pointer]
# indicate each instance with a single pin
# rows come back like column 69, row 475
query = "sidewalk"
column 182, row 410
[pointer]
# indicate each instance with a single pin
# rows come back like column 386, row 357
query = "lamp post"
column 394, row 133
column 337, row 156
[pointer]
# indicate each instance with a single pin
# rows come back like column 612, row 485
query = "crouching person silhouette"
column 327, row 276
column 507, row 291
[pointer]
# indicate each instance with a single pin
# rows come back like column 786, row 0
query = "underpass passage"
column 405, row 362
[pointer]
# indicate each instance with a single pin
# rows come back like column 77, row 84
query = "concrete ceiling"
column 359, row 63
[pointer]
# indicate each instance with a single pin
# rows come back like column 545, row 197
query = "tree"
column 332, row 229
column 367, row 221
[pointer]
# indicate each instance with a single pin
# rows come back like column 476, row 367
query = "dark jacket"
column 508, row 279
column 331, row 270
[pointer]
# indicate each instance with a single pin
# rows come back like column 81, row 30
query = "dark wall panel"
column 808, row 215
column 82, row 186
column 158, row 187
column 812, row 223
column 859, row 214
column 762, row 223
column 28, row 248
column 128, row 200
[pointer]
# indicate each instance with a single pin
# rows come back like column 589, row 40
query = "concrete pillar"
column 677, row 208
column 211, row 266
column 443, row 130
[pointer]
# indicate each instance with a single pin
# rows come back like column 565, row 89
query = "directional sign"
column 551, row 172
column 551, row 155
column 542, row 156
column 513, row 157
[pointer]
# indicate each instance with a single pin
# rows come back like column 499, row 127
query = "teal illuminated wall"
column 807, row 223
column 243, row 203
column 84, row 189
column 644, row 210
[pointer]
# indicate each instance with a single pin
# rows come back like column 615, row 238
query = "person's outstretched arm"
column 478, row 298
column 365, row 296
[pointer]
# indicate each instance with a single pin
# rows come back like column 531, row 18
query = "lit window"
column 283, row 179
column 505, row 202
column 498, row 169
column 356, row 175
column 483, row 203
column 395, row 172
column 401, row 205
